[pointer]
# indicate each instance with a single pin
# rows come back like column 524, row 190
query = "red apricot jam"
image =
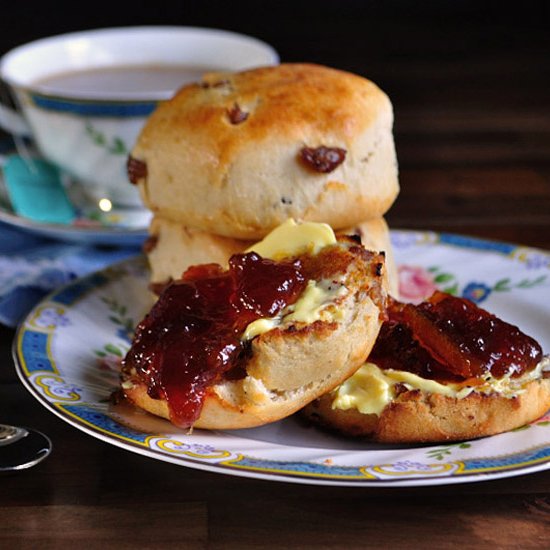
column 450, row 338
column 191, row 338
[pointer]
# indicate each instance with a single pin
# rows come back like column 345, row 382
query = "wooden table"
column 472, row 130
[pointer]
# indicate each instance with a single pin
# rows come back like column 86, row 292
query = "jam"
column 449, row 338
column 396, row 348
column 191, row 338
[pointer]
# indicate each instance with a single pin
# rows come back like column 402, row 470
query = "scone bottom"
column 442, row 370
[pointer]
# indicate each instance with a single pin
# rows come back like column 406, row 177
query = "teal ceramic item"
column 36, row 191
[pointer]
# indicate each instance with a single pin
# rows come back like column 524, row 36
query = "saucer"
column 114, row 226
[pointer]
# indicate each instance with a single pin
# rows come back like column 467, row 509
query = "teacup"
column 85, row 96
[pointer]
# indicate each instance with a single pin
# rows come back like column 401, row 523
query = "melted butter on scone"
column 317, row 301
column 293, row 238
column 370, row 389
column 315, row 304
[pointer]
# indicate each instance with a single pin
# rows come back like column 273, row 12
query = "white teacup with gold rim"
column 84, row 96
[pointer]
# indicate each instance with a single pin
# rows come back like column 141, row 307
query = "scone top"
column 237, row 154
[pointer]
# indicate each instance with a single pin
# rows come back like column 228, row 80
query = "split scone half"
column 290, row 319
column 444, row 370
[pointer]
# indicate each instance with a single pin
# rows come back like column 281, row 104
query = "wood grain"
column 62, row 525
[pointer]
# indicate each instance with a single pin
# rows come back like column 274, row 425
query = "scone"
column 237, row 154
column 288, row 321
column 442, row 371
column 172, row 248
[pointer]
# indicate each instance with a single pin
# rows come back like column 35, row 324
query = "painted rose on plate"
column 415, row 283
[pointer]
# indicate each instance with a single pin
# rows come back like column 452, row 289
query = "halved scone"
column 287, row 322
column 444, row 370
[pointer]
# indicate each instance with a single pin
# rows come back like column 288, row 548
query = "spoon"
column 21, row 448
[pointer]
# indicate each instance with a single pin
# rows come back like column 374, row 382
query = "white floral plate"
column 68, row 348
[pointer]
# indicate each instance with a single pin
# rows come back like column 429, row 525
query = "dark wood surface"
column 471, row 94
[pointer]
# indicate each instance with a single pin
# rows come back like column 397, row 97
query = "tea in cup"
column 83, row 97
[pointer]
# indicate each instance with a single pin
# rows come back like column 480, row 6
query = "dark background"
column 470, row 84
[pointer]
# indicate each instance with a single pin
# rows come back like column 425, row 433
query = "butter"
column 313, row 305
column 259, row 326
column 292, row 238
column 370, row 389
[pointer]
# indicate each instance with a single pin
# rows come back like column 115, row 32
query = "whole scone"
column 237, row 154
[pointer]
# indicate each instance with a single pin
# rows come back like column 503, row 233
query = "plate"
column 92, row 225
column 68, row 349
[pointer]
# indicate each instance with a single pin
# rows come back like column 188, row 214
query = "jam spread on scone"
column 447, row 338
column 198, row 332
column 191, row 337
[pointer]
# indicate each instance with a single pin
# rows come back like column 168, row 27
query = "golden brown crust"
column 415, row 416
column 243, row 179
column 297, row 362
column 177, row 247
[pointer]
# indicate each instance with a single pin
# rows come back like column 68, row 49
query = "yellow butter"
column 259, row 326
column 370, row 389
column 417, row 382
column 313, row 305
column 293, row 238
